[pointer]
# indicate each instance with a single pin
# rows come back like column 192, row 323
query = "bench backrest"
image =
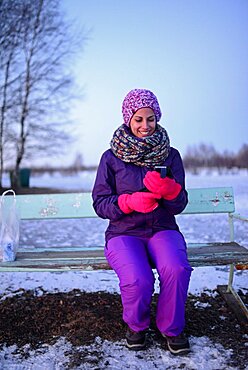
column 79, row 205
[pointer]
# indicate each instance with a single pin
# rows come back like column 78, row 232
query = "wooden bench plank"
column 210, row 200
column 195, row 249
column 52, row 259
column 79, row 205
column 54, row 206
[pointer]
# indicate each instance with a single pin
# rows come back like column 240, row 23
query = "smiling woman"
column 143, row 123
column 143, row 234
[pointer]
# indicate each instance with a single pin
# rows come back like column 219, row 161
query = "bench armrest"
column 238, row 217
column 231, row 217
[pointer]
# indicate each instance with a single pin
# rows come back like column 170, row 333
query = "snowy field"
column 205, row 354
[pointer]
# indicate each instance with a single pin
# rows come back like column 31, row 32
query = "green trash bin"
column 24, row 177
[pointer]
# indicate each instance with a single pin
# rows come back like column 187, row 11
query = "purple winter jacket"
column 115, row 177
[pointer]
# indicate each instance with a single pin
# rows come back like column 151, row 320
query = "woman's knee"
column 136, row 281
column 176, row 271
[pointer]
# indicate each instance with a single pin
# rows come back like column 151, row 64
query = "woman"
column 142, row 234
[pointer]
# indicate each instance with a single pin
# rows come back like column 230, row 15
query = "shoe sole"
column 178, row 352
column 136, row 347
column 175, row 352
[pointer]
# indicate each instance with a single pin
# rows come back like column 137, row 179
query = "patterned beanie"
column 139, row 98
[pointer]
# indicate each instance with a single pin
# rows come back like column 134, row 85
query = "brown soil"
column 81, row 317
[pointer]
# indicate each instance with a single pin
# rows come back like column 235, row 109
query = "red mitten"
column 139, row 202
column 168, row 188
column 122, row 203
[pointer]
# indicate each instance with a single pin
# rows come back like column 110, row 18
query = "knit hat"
column 137, row 99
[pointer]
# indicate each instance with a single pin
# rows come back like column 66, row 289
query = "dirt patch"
column 81, row 317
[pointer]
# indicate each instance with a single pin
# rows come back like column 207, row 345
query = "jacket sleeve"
column 105, row 199
column 178, row 204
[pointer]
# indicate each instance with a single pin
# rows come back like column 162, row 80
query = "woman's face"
column 143, row 122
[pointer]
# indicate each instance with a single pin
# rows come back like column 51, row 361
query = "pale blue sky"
column 193, row 54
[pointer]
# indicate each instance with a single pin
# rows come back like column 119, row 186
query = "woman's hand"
column 166, row 187
column 139, row 202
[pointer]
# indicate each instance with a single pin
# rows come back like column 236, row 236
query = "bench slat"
column 210, row 200
column 64, row 259
column 54, row 206
column 79, row 205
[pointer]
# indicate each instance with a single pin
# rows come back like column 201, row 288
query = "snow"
column 202, row 279
column 205, row 353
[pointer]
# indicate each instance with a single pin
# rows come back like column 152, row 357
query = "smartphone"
column 164, row 171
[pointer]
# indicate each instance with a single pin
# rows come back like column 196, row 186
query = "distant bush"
column 206, row 156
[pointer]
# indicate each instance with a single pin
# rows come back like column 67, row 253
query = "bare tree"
column 78, row 162
column 9, row 33
column 204, row 155
column 37, row 80
column 242, row 157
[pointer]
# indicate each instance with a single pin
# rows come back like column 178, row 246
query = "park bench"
column 79, row 205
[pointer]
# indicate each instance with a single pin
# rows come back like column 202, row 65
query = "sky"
column 193, row 54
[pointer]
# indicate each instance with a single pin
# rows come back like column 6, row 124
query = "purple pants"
column 132, row 258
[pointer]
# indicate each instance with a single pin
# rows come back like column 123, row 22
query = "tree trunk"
column 3, row 112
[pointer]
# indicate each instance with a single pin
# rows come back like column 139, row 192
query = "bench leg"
column 233, row 299
column 230, row 280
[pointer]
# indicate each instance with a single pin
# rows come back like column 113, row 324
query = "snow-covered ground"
column 205, row 354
